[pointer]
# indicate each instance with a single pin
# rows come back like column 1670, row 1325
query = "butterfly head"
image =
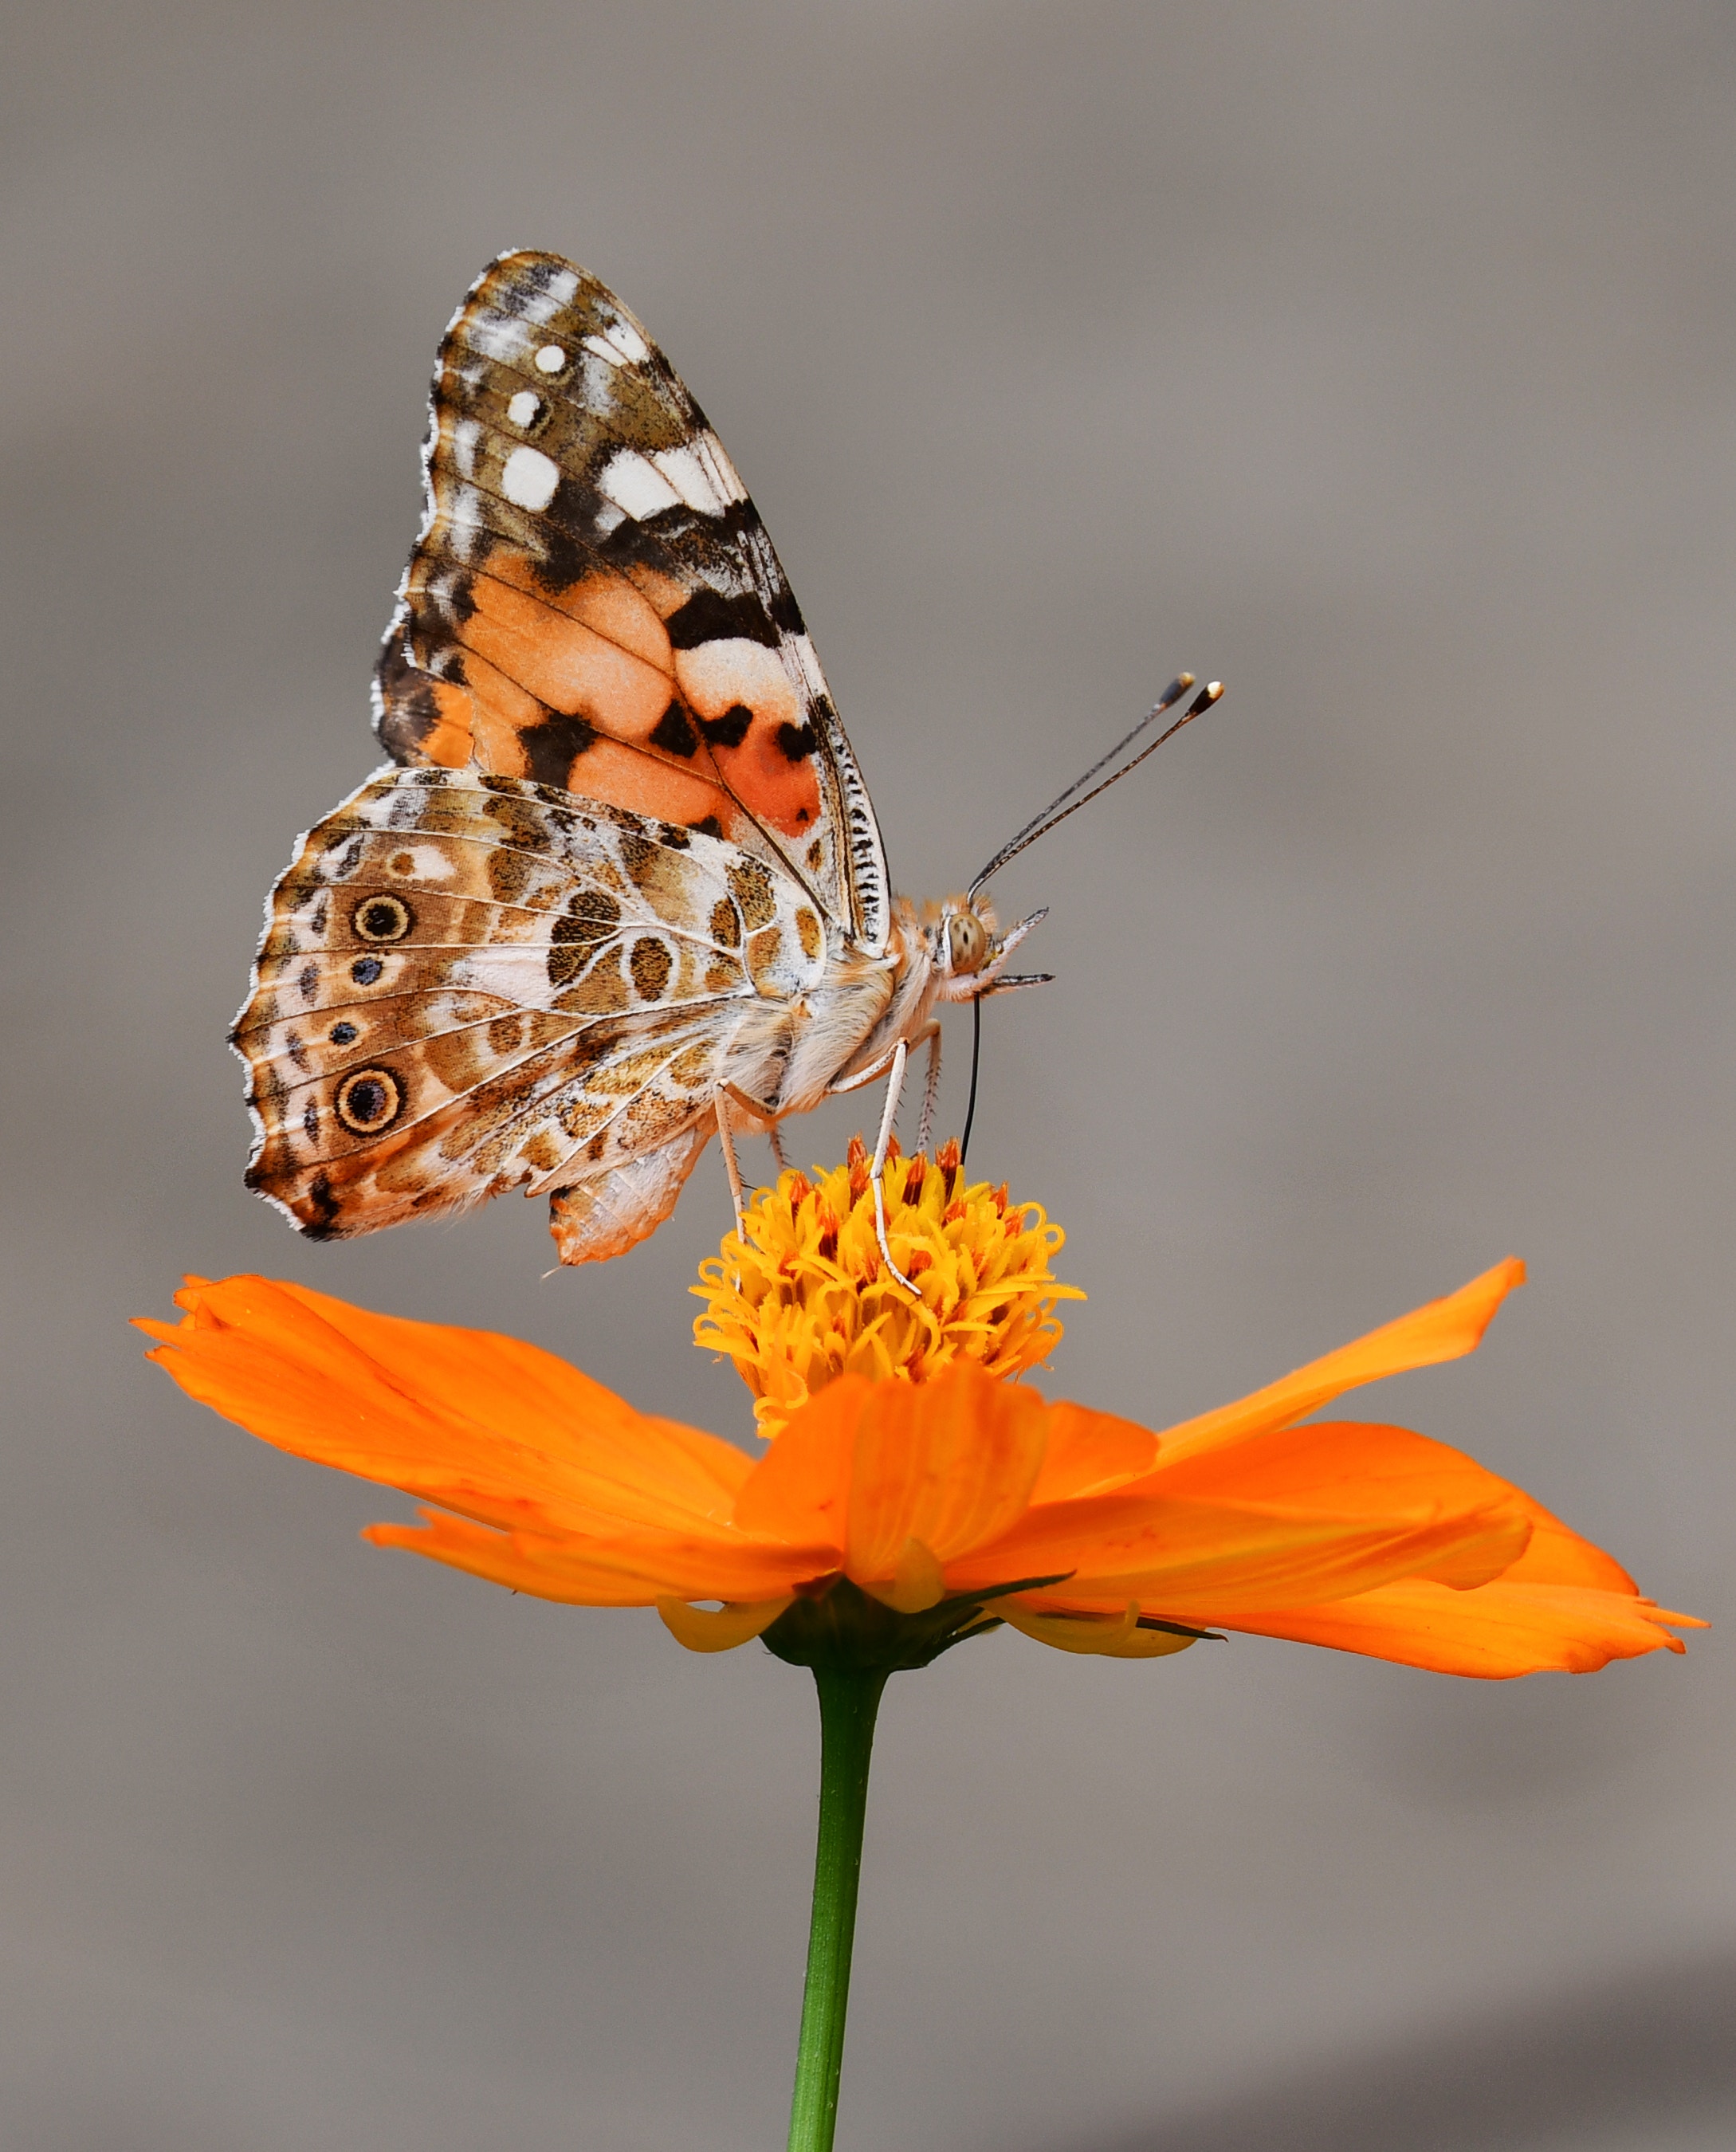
column 965, row 940
column 967, row 949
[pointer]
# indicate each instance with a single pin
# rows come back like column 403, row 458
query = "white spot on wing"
column 523, row 408
column 626, row 337
column 693, row 482
column 464, row 522
column 515, row 971
column 443, row 590
column 801, row 661
column 541, row 306
column 635, row 484
column 710, row 451
column 529, row 478
column 619, row 346
column 465, row 435
column 550, row 359
column 431, row 865
column 498, row 339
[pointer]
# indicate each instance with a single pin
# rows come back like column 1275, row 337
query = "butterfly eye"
column 967, row 944
column 382, row 918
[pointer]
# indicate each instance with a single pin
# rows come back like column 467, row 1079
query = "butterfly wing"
column 469, row 983
column 593, row 602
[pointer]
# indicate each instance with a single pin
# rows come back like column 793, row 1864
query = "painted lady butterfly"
column 620, row 885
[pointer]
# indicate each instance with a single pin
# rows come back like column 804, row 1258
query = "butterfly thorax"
column 788, row 1054
column 845, row 1027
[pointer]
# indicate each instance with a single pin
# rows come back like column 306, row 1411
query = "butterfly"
column 620, row 886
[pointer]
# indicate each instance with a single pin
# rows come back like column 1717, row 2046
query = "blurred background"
column 1375, row 359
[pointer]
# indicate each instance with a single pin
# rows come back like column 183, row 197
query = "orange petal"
column 868, row 1467
column 949, row 1463
column 918, row 1583
column 1331, row 1460
column 800, row 1489
column 1443, row 1330
column 569, row 1574
column 1505, row 1628
column 1516, row 1593
column 1333, row 1464
column 486, row 1425
column 1199, row 1559
column 1090, row 1452
column 722, row 1629
column 1557, row 1556
column 634, row 1570
column 1333, row 1506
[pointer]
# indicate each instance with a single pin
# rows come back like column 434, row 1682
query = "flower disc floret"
column 802, row 1295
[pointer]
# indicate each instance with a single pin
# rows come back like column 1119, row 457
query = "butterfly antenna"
column 970, row 1111
column 1075, row 796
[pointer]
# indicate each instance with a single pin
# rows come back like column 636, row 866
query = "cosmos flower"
column 913, row 1490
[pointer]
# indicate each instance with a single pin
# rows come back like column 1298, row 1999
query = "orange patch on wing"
column 448, row 743
column 784, row 794
column 567, row 665
column 647, row 785
column 500, row 713
column 608, row 603
column 718, row 677
column 666, row 595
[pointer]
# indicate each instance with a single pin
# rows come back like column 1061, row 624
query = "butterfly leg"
column 732, row 1167
column 877, row 1164
column 766, row 1116
column 931, row 1089
column 872, row 1074
column 755, row 1109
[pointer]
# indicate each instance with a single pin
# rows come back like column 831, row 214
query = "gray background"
column 1377, row 358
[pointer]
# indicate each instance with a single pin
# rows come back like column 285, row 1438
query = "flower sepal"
column 846, row 1627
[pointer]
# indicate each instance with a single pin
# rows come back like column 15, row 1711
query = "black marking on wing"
column 709, row 617
column 674, row 734
column 730, row 729
column 551, row 747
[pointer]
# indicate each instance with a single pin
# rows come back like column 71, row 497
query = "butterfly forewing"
column 594, row 604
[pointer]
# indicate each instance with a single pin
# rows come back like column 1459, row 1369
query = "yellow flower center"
column 803, row 1296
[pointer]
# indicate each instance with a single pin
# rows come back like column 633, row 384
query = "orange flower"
column 916, row 1511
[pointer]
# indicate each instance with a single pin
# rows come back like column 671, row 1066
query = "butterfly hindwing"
column 593, row 602
column 469, row 983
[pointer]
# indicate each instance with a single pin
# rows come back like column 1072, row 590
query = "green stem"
column 849, row 1699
